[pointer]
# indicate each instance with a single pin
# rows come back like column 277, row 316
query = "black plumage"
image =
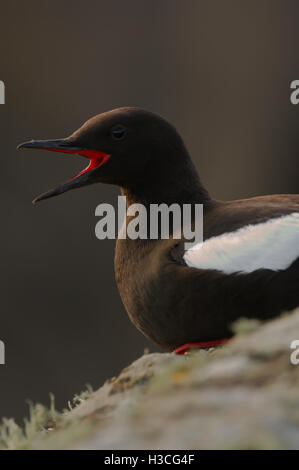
column 170, row 302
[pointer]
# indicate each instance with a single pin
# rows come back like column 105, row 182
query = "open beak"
column 96, row 159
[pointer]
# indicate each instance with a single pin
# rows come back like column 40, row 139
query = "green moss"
column 243, row 326
column 39, row 425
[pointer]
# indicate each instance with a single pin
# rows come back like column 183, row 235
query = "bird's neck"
column 181, row 196
column 181, row 186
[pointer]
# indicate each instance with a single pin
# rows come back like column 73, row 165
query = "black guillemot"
column 246, row 266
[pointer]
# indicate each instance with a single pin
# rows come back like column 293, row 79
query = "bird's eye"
column 118, row 132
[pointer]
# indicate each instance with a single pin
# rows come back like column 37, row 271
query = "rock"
column 241, row 396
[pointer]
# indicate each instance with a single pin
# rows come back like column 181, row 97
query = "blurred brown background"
column 219, row 70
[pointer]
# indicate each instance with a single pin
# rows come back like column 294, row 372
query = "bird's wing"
column 273, row 244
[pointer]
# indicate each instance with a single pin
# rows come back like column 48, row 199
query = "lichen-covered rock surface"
column 244, row 395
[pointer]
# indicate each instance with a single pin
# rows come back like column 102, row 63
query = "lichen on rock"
column 243, row 395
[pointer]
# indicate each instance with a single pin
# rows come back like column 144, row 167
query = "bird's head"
column 125, row 147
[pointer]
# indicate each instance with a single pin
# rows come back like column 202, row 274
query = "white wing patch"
column 273, row 245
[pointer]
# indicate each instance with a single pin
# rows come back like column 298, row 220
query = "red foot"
column 206, row 344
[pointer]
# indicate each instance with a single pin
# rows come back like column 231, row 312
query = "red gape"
column 96, row 157
column 181, row 350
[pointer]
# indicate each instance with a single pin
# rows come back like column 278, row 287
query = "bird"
column 247, row 264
